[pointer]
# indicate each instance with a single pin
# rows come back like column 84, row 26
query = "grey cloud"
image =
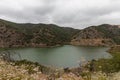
column 73, row 13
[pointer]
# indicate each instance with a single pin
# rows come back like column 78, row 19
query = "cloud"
column 70, row 13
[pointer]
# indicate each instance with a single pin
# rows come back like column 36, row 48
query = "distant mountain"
column 45, row 35
column 33, row 35
column 102, row 35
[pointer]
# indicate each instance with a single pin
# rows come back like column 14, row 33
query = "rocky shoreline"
column 93, row 42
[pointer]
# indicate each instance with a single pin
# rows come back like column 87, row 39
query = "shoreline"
column 25, row 69
column 58, row 45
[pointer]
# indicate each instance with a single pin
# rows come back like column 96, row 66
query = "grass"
column 108, row 65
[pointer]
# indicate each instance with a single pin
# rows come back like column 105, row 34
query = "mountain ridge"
column 44, row 35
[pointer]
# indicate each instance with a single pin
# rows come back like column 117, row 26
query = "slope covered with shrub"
column 36, row 35
column 102, row 35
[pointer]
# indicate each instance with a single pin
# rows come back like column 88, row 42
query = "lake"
column 63, row 56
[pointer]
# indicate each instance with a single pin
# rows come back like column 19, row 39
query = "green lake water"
column 63, row 56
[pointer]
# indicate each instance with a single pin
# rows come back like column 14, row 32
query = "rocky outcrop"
column 93, row 42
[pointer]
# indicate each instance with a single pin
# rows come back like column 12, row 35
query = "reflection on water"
column 64, row 56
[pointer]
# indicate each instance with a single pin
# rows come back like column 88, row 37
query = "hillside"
column 33, row 35
column 45, row 35
column 102, row 35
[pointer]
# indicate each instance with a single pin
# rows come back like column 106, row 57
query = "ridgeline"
column 46, row 35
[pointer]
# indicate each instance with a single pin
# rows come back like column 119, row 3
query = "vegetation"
column 43, row 35
column 110, row 31
column 37, row 34
column 102, row 35
column 108, row 65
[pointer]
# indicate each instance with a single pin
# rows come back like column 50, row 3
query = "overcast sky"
column 68, row 13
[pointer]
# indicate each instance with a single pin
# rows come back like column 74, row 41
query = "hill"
column 102, row 35
column 33, row 35
column 45, row 35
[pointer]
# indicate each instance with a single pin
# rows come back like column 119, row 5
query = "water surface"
column 64, row 56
